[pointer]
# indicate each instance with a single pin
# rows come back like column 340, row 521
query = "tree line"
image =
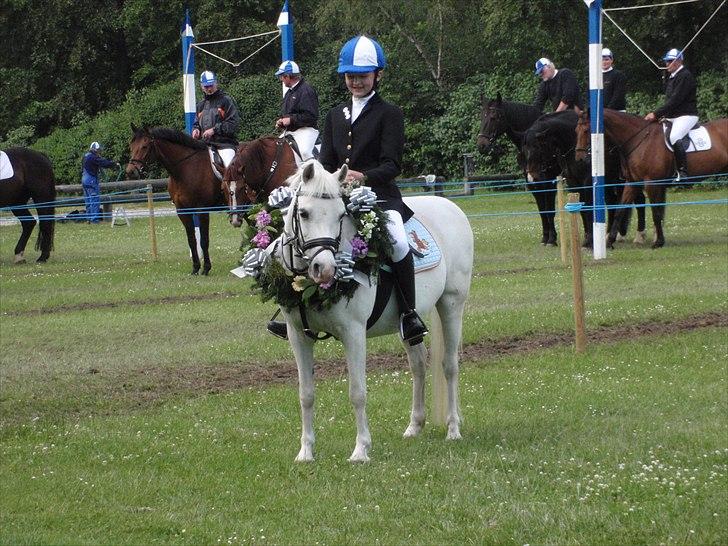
column 76, row 71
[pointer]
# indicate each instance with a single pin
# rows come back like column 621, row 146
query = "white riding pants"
column 400, row 244
column 305, row 137
column 681, row 126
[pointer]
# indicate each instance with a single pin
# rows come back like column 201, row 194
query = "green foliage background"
column 82, row 71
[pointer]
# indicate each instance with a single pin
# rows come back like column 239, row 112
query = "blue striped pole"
column 596, row 117
column 285, row 24
column 188, row 72
column 189, row 88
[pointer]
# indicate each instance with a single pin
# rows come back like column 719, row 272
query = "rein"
column 144, row 163
column 623, row 145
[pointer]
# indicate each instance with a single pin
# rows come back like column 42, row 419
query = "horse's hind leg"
column 550, row 213
column 417, row 357
column 303, row 351
column 205, row 242
column 46, row 231
column 658, row 197
column 627, row 194
column 27, row 223
column 189, row 225
column 539, row 197
column 639, row 200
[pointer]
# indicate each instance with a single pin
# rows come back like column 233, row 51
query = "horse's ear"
column 341, row 175
column 498, row 97
column 134, row 128
column 308, row 172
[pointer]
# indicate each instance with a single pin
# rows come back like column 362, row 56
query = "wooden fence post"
column 577, row 275
column 152, row 230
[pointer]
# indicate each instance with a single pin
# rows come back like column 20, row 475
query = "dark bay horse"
column 499, row 117
column 193, row 186
column 613, row 189
column 32, row 179
column 645, row 157
column 259, row 167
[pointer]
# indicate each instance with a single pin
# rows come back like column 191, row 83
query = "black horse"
column 552, row 139
column 499, row 117
column 32, row 179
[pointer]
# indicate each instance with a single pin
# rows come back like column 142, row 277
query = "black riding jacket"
column 680, row 90
column 301, row 104
column 615, row 89
column 562, row 87
column 220, row 112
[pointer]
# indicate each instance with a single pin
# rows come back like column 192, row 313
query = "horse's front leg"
column 302, row 347
column 354, row 340
column 189, row 224
column 549, row 197
column 417, row 357
column 205, row 242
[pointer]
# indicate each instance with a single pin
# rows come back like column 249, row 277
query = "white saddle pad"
column 6, row 169
column 227, row 155
column 699, row 140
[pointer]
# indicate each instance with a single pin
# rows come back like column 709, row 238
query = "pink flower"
column 262, row 219
column 327, row 285
column 261, row 239
column 359, row 248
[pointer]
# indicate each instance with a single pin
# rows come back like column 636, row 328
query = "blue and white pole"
column 596, row 117
column 188, row 72
column 189, row 87
column 285, row 24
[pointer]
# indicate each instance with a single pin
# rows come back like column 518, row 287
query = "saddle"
column 698, row 138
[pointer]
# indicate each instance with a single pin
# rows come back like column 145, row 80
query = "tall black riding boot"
column 411, row 327
column 679, row 149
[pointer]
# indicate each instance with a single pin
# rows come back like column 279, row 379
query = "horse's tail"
column 437, row 358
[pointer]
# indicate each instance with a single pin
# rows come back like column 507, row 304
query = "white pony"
column 315, row 224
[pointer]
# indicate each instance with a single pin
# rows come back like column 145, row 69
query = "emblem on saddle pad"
column 699, row 139
column 424, row 248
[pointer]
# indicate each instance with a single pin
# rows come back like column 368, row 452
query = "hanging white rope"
column 197, row 46
column 604, row 11
column 652, row 5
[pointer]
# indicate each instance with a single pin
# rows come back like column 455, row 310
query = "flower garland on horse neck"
column 263, row 228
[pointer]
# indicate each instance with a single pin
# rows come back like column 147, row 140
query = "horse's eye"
column 303, row 214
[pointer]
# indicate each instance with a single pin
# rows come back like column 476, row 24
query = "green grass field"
column 141, row 405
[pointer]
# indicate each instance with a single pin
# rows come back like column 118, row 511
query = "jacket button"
column 348, row 146
column 346, row 160
column 349, row 133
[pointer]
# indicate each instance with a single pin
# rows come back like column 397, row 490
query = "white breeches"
column 305, row 137
column 400, row 244
column 227, row 155
column 681, row 126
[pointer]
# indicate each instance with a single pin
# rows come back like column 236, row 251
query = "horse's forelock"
column 322, row 182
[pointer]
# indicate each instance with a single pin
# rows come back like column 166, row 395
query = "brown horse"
column 32, row 179
column 259, row 167
column 193, row 186
column 644, row 157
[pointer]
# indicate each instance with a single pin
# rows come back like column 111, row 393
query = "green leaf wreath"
column 371, row 246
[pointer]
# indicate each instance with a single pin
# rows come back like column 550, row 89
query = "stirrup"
column 411, row 327
column 277, row 328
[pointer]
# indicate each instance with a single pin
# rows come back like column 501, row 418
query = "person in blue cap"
column 300, row 109
column 680, row 108
column 91, row 163
column 614, row 83
column 217, row 120
column 559, row 86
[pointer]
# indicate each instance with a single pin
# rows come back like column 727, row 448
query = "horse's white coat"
column 443, row 288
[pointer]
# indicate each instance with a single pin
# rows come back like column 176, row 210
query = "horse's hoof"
column 19, row 259
column 304, row 457
column 621, row 238
column 205, row 272
column 658, row 244
column 412, row 431
column 639, row 238
column 42, row 260
column 359, row 457
column 195, row 272
column 453, row 434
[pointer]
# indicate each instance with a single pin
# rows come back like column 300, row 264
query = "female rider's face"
column 360, row 85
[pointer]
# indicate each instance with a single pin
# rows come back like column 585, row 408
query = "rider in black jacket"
column 217, row 120
column 558, row 86
column 614, row 83
column 680, row 107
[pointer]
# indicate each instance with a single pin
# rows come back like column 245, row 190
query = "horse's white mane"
column 321, row 183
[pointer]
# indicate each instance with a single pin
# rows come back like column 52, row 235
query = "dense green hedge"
column 435, row 143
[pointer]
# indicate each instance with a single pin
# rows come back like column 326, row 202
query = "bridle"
column 296, row 242
column 143, row 164
column 496, row 132
column 231, row 185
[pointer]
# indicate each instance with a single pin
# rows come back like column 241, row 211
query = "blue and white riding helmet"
column 673, row 54
column 208, row 78
column 95, row 147
column 606, row 52
column 542, row 63
column 361, row 55
column 288, row 67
